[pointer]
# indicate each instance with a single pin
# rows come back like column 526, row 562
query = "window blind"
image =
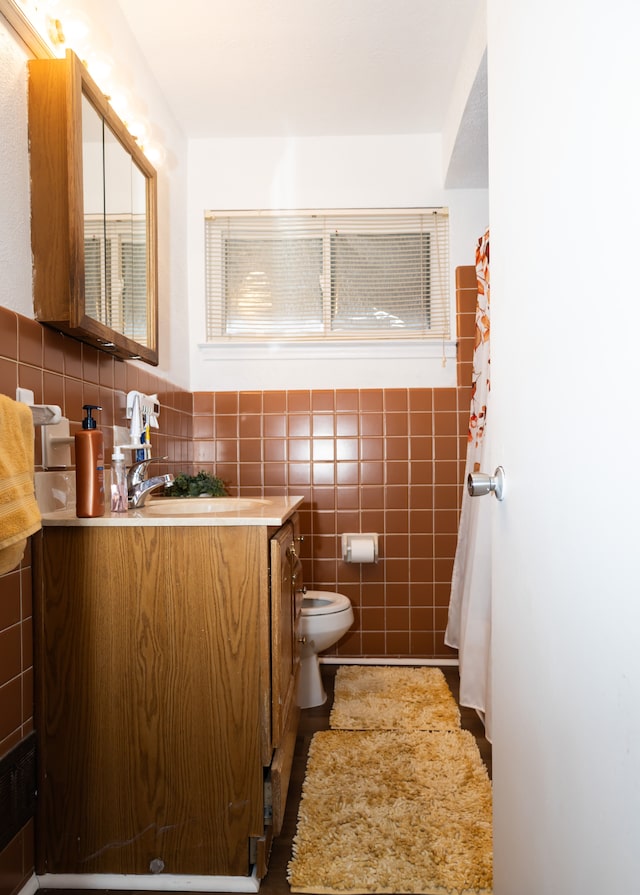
column 133, row 267
column 115, row 273
column 327, row 275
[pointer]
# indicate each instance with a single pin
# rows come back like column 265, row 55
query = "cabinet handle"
column 302, row 639
column 301, row 590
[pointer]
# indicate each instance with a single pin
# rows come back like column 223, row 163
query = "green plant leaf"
column 202, row 484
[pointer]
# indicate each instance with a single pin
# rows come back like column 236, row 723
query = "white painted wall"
column 110, row 35
column 15, row 202
column 347, row 172
column 312, row 172
column 471, row 61
column 564, row 137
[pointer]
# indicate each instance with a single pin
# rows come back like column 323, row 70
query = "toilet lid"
column 324, row 602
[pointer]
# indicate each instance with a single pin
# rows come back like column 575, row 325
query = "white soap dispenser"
column 119, row 497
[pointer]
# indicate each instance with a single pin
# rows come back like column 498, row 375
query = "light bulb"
column 138, row 129
column 156, row 154
column 76, row 28
column 55, row 31
column 121, row 102
column 100, row 67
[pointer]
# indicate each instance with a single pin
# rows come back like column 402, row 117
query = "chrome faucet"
column 137, row 471
column 139, row 493
column 138, row 487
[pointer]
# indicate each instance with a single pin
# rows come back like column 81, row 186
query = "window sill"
column 360, row 350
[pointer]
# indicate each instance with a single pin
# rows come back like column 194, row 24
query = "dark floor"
column 312, row 720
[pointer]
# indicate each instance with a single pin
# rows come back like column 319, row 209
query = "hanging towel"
column 19, row 513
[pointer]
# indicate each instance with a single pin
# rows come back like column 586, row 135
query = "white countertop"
column 264, row 511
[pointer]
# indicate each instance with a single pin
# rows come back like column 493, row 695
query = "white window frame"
column 329, row 344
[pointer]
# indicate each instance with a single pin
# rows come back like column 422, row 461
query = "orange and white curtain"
column 469, row 624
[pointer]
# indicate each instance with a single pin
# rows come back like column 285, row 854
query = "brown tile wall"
column 62, row 371
column 16, row 655
column 385, row 460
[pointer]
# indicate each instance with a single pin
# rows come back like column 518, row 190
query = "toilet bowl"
column 326, row 617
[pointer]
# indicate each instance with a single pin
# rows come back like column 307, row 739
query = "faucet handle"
column 150, row 460
column 139, row 493
column 136, row 472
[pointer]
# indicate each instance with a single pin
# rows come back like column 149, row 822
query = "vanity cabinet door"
column 285, row 657
column 299, row 588
column 148, row 722
column 286, row 572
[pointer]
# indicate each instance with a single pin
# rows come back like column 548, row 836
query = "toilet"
column 326, row 617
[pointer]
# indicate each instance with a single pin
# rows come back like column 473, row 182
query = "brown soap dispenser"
column 89, row 467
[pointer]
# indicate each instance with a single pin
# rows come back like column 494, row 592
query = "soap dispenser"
column 119, row 499
column 89, row 467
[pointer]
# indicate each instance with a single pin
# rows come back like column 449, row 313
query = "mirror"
column 115, row 230
column 91, row 179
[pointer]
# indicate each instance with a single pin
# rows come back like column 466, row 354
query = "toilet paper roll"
column 361, row 548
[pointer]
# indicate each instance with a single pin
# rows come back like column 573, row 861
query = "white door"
column 564, row 149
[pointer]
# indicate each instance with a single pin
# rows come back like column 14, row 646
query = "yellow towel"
column 19, row 512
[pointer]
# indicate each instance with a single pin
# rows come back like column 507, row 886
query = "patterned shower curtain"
column 469, row 625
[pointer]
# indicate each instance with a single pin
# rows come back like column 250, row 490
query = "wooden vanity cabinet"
column 167, row 661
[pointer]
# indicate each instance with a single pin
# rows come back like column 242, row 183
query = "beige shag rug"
column 394, row 812
column 378, row 697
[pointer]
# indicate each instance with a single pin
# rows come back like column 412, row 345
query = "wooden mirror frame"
column 56, row 88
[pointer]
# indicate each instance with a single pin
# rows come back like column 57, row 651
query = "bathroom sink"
column 199, row 506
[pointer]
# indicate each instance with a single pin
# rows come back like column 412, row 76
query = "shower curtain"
column 469, row 623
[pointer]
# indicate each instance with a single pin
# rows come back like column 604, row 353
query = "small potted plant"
column 201, row 485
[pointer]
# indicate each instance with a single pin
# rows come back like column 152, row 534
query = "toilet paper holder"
column 360, row 546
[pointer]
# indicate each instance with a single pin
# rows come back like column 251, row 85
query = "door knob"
column 480, row 483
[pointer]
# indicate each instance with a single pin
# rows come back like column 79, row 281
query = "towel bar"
column 45, row 414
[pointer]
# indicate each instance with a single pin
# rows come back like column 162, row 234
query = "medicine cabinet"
column 93, row 215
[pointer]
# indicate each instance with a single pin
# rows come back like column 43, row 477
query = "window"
column 327, row 275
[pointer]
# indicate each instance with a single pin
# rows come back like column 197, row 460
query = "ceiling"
column 269, row 68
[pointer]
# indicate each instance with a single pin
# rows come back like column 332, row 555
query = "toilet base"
column 311, row 692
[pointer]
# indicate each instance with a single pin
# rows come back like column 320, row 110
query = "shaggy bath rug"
column 378, row 697
column 393, row 812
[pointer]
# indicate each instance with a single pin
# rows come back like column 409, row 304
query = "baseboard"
column 30, row 887
column 148, row 883
column 340, row 660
